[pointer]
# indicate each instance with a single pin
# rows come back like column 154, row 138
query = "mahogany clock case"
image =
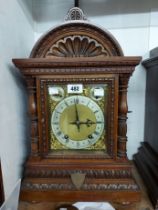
column 78, row 53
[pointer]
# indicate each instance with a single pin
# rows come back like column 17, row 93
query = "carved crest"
column 75, row 13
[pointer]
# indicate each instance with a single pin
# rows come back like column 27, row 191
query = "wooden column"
column 122, row 116
column 33, row 116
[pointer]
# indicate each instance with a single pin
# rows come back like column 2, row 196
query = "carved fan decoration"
column 77, row 46
column 76, row 38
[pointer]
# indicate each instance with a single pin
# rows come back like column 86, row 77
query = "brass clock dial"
column 77, row 122
column 77, row 116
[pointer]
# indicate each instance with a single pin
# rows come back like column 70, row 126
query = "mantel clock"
column 77, row 80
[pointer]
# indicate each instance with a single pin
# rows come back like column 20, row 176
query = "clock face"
column 77, row 122
column 77, row 116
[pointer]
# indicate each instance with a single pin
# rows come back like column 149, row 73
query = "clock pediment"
column 76, row 39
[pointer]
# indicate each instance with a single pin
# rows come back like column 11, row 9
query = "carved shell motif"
column 77, row 46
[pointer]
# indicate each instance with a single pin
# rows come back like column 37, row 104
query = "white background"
column 133, row 23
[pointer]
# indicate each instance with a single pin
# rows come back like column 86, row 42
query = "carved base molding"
column 103, row 192
column 69, row 186
column 111, row 183
column 146, row 161
column 109, row 173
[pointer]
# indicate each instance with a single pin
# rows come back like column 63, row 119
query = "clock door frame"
column 112, row 114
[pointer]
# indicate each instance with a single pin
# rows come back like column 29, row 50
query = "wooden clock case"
column 78, row 51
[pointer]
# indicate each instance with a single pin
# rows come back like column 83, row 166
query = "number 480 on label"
column 74, row 88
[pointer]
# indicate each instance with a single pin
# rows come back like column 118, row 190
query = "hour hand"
column 77, row 123
column 89, row 122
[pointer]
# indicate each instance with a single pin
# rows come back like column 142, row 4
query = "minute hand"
column 77, row 122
